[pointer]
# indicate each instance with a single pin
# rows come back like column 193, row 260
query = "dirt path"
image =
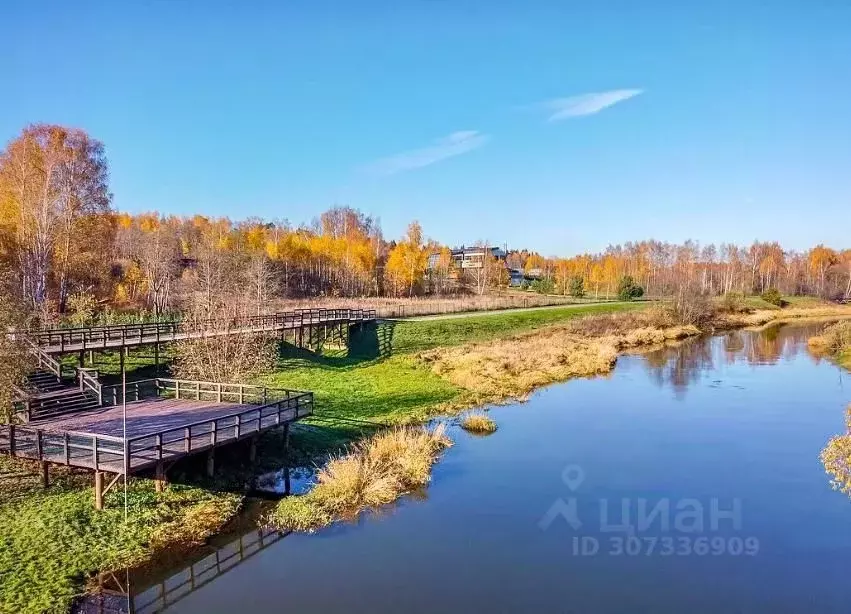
column 495, row 312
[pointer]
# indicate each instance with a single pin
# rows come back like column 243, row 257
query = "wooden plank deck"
column 144, row 418
column 159, row 429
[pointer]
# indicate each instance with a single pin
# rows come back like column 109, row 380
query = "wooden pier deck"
column 166, row 420
column 68, row 340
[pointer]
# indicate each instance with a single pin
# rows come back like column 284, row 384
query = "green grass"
column 53, row 539
column 414, row 336
column 394, row 387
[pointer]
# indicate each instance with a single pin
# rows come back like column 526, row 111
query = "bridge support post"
column 45, row 474
column 211, row 462
column 156, row 359
column 98, row 490
column 159, row 477
column 81, row 359
column 252, row 449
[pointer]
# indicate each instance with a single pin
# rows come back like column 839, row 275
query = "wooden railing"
column 263, row 408
column 146, row 450
column 181, row 389
column 100, row 337
column 98, row 452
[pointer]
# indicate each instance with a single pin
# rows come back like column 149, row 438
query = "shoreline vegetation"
column 479, row 423
column 835, row 343
column 370, row 409
column 372, row 473
column 498, row 369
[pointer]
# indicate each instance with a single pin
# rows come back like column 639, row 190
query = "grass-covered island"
column 396, row 373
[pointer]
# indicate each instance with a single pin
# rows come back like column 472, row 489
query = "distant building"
column 473, row 257
column 516, row 278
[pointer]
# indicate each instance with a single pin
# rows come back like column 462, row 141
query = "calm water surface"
column 738, row 419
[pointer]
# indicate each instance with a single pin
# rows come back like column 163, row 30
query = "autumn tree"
column 55, row 203
column 820, row 259
column 408, row 260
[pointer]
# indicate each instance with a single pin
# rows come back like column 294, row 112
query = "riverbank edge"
column 607, row 347
column 220, row 516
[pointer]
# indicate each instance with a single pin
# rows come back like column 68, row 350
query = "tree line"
column 662, row 268
column 64, row 248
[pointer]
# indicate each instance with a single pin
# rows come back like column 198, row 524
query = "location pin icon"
column 573, row 476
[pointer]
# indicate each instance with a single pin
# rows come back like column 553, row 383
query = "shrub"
column 773, row 296
column 836, row 458
column 478, row 423
column 834, row 339
column 576, row 286
column 691, row 306
column 628, row 289
column 223, row 357
column 733, row 302
column 542, row 286
column 82, row 307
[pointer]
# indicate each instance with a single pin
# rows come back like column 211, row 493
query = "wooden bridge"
column 303, row 324
column 167, row 419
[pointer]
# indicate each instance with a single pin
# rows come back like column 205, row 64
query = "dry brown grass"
column 510, row 368
column 372, row 473
column 513, row 367
column 478, row 422
column 834, row 339
column 766, row 316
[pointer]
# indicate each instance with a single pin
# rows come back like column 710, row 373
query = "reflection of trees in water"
column 775, row 342
column 681, row 365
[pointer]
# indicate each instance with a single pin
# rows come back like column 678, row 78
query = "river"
column 688, row 480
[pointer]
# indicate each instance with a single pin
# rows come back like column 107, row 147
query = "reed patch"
column 372, row 473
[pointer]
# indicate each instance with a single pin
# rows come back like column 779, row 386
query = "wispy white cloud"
column 586, row 104
column 455, row 144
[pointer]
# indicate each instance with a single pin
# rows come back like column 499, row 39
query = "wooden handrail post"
column 95, row 452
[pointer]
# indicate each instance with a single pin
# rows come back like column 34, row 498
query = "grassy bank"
column 446, row 364
column 53, row 539
column 835, row 342
column 397, row 373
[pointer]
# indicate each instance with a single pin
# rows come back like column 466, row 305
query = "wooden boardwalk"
column 166, row 420
column 68, row 340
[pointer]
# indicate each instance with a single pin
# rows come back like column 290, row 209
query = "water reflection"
column 683, row 365
column 119, row 593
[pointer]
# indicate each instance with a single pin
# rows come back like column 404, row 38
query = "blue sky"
column 554, row 125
